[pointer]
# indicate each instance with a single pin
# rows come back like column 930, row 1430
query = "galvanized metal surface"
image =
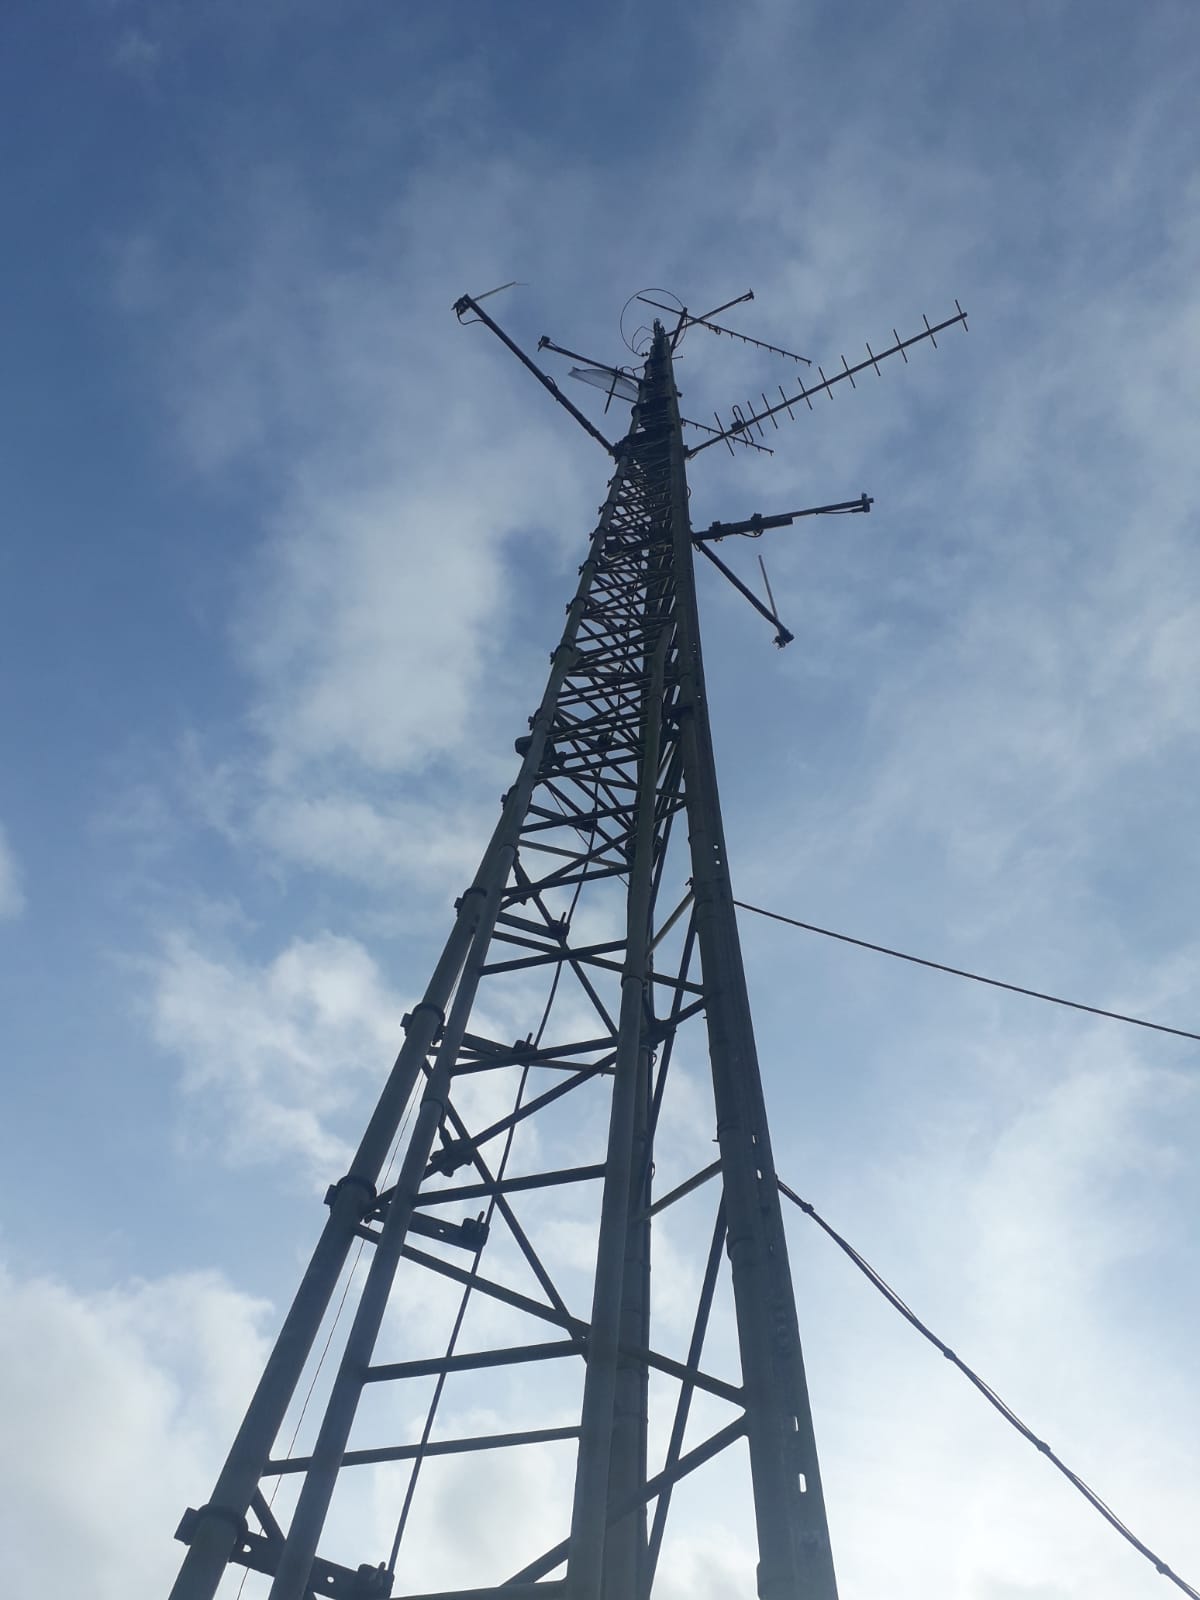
column 618, row 750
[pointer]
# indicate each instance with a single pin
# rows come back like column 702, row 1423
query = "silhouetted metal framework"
column 599, row 926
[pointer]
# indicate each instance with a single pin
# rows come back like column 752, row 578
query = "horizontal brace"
column 473, row 1361
column 437, row 1447
column 533, row 1180
column 467, row 1235
column 520, row 1053
column 555, row 1589
column 554, row 950
column 542, row 930
column 464, row 1068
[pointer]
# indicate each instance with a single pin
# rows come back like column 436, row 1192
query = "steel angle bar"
column 524, row 942
column 699, row 1456
column 561, row 953
column 551, row 1590
column 688, row 1373
column 466, row 1068
column 783, row 636
column 475, row 1360
column 689, row 1186
column 494, row 1190
column 667, row 1028
column 684, row 1402
column 497, row 1291
column 266, row 1517
column 432, row 1447
column 664, row 979
column 538, row 1103
column 531, row 1180
column 523, row 1051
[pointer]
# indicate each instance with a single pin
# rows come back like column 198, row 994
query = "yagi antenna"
column 744, row 421
column 687, row 320
column 622, row 383
column 738, row 438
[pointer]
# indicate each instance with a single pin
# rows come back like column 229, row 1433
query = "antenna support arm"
column 755, row 525
column 783, row 636
column 465, row 303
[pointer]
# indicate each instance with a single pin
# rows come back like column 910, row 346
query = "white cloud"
column 1009, row 671
column 118, row 1406
column 137, row 53
column 273, row 1053
column 414, row 843
column 12, row 897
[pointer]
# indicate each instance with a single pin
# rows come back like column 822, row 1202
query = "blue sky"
column 285, row 549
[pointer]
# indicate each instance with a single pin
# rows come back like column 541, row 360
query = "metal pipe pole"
column 590, row 1510
column 795, row 1559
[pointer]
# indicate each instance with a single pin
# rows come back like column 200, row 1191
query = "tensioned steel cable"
column 960, row 972
column 989, row 1394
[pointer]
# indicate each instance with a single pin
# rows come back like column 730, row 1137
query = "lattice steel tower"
column 527, row 1096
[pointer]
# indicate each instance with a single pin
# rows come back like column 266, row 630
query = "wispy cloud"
column 134, row 1388
column 273, row 1054
column 984, row 738
column 12, row 896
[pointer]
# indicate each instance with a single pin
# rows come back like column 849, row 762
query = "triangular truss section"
column 591, row 982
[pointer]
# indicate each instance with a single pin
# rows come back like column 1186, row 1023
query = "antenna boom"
column 742, row 424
